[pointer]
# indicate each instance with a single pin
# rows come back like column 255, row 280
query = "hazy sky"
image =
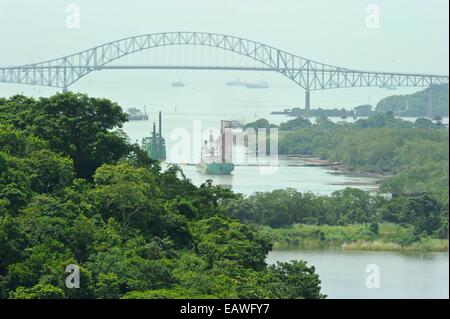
column 412, row 36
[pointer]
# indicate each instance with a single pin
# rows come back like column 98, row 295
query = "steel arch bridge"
column 310, row 75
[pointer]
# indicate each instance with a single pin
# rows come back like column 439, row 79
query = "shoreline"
column 357, row 237
column 336, row 168
column 442, row 246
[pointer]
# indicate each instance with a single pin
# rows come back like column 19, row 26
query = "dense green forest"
column 416, row 104
column 286, row 207
column 346, row 216
column 73, row 190
column 415, row 153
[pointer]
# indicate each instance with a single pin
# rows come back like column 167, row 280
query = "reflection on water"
column 249, row 179
column 402, row 275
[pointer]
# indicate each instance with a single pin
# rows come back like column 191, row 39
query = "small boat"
column 388, row 87
column 178, row 84
column 237, row 82
column 135, row 114
column 257, row 85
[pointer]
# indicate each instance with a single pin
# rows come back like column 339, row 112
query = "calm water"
column 245, row 179
column 401, row 275
column 249, row 179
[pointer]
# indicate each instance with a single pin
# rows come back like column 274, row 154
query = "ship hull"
column 216, row 168
column 258, row 85
column 156, row 151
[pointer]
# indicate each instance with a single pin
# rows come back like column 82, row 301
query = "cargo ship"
column 155, row 145
column 237, row 82
column 178, row 84
column 257, row 85
column 216, row 156
column 135, row 114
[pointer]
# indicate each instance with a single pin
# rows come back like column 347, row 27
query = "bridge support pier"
column 307, row 101
column 64, row 90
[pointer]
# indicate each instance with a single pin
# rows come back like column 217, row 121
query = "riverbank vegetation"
column 350, row 219
column 415, row 153
column 389, row 237
column 74, row 191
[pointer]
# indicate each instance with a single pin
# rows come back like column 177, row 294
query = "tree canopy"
column 73, row 191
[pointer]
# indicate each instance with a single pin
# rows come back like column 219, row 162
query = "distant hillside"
column 416, row 104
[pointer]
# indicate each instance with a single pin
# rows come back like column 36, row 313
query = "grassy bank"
column 390, row 237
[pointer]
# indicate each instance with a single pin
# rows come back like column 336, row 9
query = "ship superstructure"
column 155, row 145
column 216, row 156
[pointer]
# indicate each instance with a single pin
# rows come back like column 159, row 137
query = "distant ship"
column 388, row 87
column 135, row 114
column 178, row 84
column 155, row 145
column 257, row 85
column 216, row 156
column 237, row 82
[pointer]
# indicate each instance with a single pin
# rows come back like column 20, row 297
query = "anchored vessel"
column 135, row 114
column 155, row 145
column 237, row 82
column 257, row 85
column 216, row 156
column 178, row 84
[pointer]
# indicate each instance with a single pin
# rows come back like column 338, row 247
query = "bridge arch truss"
column 310, row 75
